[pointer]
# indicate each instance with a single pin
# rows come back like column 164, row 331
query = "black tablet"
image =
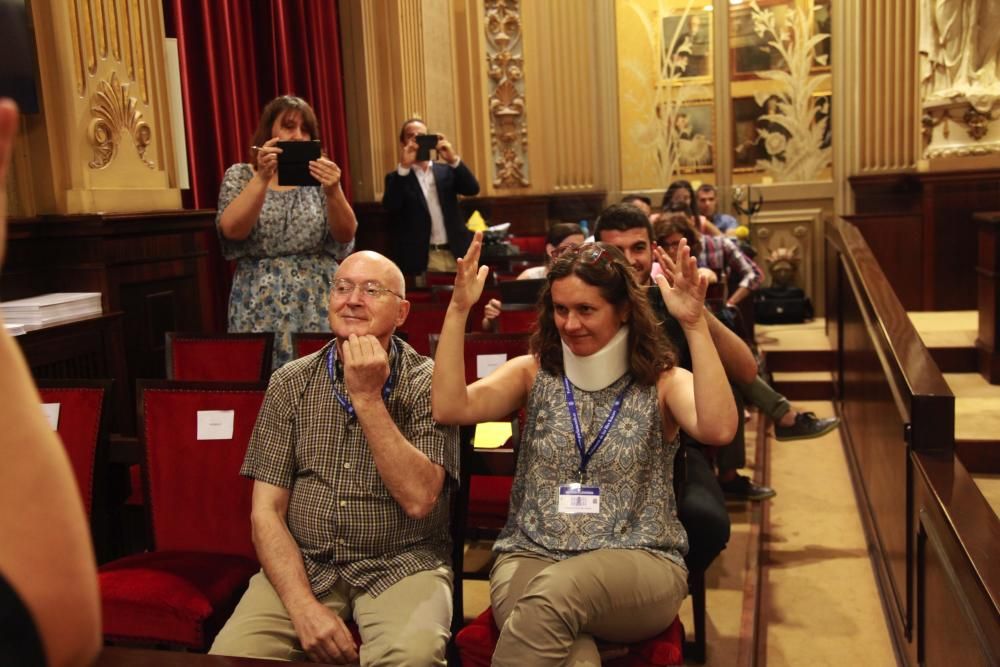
column 425, row 142
column 293, row 162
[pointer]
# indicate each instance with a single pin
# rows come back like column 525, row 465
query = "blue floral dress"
column 285, row 267
column 634, row 469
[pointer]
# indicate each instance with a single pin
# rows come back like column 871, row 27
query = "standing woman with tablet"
column 287, row 239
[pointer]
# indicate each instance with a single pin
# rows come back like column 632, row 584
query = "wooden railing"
column 934, row 539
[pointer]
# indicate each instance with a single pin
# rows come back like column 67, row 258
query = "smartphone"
column 293, row 162
column 425, row 142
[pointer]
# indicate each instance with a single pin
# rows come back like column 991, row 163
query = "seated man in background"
column 701, row 506
column 351, row 494
column 708, row 206
column 625, row 227
column 50, row 613
column 641, row 202
column 718, row 254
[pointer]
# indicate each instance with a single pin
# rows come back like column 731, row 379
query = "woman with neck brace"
column 592, row 546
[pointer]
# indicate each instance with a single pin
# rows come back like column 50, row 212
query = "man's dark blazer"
column 410, row 220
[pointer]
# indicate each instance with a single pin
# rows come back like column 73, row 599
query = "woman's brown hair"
column 677, row 223
column 606, row 268
column 275, row 108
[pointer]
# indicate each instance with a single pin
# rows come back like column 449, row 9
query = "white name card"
column 51, row 412
column 215, row 424
column 487, row 363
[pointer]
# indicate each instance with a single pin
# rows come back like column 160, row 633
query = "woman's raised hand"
column 682, row 287
column 470, row 278
column 267, row 159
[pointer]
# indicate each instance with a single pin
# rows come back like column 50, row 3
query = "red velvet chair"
column 530, row 245
column 517, row 318
column 181, row 591
column 231, row 357
column 477, row 640
column 304, row 343
column 83, row 429
column 424, row 319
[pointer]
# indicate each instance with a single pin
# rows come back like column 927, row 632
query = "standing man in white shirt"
column 428, row 232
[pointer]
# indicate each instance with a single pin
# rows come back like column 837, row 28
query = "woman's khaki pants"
column 550, row 611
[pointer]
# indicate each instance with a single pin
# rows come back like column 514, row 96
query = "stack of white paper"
column 48, row 309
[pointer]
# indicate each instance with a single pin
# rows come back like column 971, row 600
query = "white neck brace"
column 600, row 369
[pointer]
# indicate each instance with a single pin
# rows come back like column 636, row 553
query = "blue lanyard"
column 586, row 454
column 346, row 402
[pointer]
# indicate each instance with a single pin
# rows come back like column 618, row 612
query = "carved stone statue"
column 960, row 48
column 783, row 265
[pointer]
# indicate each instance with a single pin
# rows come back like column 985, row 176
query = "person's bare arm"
column 45, row 551
column 737, row 359
column 339, row 214
column 412, row 479
column 323, row 634
column 240, row 216
column 699, row 401
column 490, row 398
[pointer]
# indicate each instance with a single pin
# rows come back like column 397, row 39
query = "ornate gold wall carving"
column 796, row 232
column 115, row 113
column 508, row 124
column 103, row 89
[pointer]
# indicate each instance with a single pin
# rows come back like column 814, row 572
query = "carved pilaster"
column 103, row 140
column 508, row 125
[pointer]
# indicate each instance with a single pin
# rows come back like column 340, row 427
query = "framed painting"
column 687, row 46
column 750, row 53
column 695, row 125
column 821, row 26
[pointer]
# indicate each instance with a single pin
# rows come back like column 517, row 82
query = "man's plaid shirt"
column 340, row 513
column 723, row 255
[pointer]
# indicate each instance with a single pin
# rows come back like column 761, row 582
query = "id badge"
column 578, row 499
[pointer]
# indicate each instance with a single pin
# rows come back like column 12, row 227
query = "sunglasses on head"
column 585, row 253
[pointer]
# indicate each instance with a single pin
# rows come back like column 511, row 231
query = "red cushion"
column 477, row 640
column 517, row 321
column 79, row 423
column 221, row 360
column 530, row 245
column 180, row 598
column 198, row 500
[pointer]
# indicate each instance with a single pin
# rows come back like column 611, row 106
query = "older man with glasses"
column 351, row 494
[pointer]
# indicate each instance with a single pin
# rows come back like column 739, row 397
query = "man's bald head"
column 375, row 263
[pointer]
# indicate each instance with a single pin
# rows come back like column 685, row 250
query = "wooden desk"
column 116, row 656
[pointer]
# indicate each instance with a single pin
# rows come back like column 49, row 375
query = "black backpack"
column 782, row 305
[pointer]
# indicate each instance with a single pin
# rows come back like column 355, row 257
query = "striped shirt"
column 722, row 255
column 340, row 514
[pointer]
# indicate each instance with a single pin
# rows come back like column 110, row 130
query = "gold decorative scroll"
column 508, row 127
column 115, row 112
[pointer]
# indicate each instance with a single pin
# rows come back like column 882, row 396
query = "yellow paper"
column 475, row 222
column 490, row 435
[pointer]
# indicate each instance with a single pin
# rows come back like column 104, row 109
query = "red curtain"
column 235, row 56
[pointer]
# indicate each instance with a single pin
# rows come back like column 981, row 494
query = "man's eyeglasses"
column 370, row 289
